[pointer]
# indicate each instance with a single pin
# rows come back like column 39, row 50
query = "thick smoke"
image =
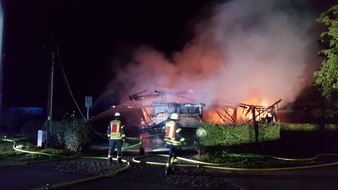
column 247, row 51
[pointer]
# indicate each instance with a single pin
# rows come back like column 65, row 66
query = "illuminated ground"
column 150, row 176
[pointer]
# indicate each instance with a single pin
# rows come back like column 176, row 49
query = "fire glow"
column 234, row 114
column 256, row 56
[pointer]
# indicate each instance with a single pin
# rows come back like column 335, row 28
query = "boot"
column 168, row 170
column 119, row 160
column 110, row 160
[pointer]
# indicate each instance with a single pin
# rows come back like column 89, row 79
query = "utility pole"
column 50, row 92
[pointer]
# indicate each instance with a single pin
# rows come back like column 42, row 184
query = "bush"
column 331, row 127
column 73, row 135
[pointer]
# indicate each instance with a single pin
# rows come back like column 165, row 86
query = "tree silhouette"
column 327, row 75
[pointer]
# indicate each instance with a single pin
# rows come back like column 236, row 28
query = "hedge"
column 211, row 135
column 307, row 127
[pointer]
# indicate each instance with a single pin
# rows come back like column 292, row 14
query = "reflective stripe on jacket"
column 115, row 130
column 170, row 133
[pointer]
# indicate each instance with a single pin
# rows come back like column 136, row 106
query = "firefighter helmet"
column 117, row 114
column 174, row 116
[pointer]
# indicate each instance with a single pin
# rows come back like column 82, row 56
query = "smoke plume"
column 246, row 51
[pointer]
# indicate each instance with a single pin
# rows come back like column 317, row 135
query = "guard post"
column 88, row 104
column 42, row 138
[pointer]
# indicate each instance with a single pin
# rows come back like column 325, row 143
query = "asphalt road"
column 22, row 177
column 19, row 177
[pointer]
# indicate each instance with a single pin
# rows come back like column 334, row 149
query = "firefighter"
column 173, row 140
column 273, row 113
column 72, row 116
column 115, row 133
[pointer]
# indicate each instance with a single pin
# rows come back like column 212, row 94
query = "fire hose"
column 126, row 164
column 200, row 164
column 190, row 162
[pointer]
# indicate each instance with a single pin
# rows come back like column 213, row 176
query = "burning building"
column 152, row 110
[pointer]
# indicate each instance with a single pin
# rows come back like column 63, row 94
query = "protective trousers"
column 111, row 152
column 171, row 158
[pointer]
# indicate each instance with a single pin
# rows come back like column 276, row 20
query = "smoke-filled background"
column 242, row 51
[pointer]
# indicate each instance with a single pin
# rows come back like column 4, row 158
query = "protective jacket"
column 172, row 133
column 115, row 130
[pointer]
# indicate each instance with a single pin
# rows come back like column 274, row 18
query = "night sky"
column 89, row 37
column 87, row 33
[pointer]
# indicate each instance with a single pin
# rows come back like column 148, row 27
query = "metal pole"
column 50, row 95
column 87, row 113
column 51, row 88
column 2, row 11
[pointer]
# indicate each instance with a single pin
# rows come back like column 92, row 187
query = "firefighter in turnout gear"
column 116, row 136
column 173, row 140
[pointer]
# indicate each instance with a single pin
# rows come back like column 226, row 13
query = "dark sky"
column 88, row 34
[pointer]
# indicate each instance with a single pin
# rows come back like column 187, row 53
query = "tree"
column 327, row 75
